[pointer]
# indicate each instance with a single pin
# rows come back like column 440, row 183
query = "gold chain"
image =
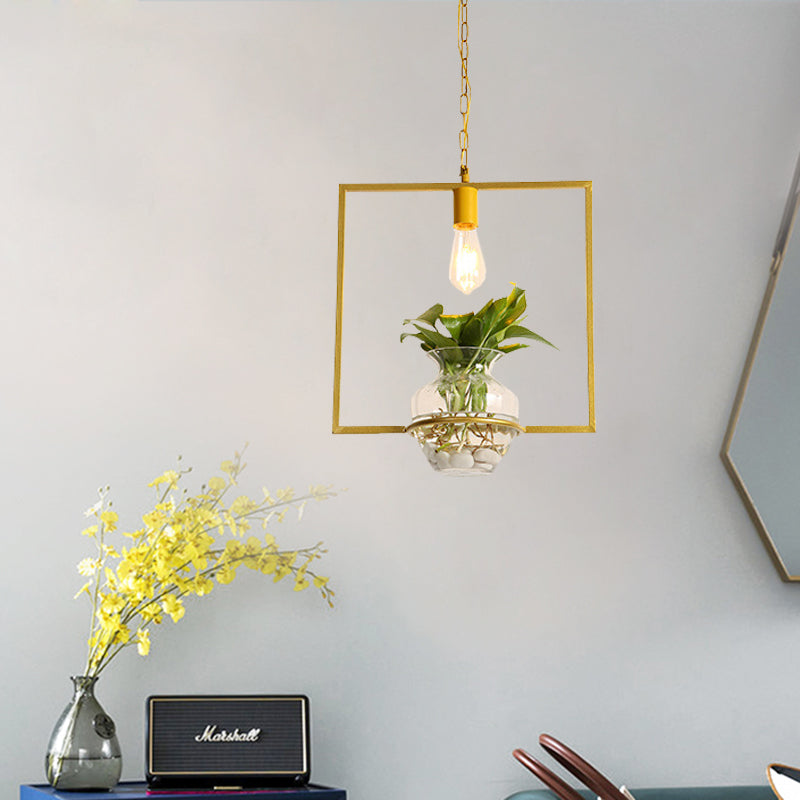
column 466, row 89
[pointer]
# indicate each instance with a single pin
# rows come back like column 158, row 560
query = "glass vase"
column 464, row 419
column 83, row 752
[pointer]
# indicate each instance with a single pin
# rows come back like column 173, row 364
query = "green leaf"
column 516, row 309
column 472, row 333
column 495, row 318
column 516, row 331
column 426, row 344
column 429, row 317
column 510, row 348
column 453, row 357
column 483, row 311
column 433, row 337
column 515, row 294
column 478, row 398
column 489, row 327
column 455, row 323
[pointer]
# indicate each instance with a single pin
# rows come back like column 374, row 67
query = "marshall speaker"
column 227, row 740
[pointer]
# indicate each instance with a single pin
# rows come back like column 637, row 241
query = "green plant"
column 491, row 328
column 466, row 422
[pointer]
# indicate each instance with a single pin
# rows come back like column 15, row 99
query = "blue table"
column 138, row 791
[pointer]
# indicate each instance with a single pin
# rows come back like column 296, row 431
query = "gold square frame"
column 344, row 188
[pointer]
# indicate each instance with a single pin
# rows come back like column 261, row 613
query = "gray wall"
column 168, row 217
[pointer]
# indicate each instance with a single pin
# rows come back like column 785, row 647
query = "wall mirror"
column 761, row 450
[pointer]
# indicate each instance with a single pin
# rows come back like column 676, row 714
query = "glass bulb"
column 467, row 267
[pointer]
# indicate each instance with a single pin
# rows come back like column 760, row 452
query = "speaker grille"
column 228, row 735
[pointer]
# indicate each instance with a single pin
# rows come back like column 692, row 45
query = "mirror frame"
column 781, row 244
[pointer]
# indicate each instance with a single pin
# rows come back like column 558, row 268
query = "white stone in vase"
column 462, row 460
column 443, row 459
column 487, row 455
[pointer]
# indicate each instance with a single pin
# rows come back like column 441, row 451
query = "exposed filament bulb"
column 467, row 267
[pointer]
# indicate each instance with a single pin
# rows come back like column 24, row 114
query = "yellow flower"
column 151, row 613
column 88, row 567
column 252, row 546
column 216, row 485
column 173, row 606
column 122, row 634
column 234, row 549
column 268, row 564
column 191, row 554
column 153, row 519
column 90, row 512
column 83, row 589
column 167, row 561
column 138, row 588
column 109, row 519
column 186, row 545
column 170, row 477
column 226, row 575
column 202, row 586
column 182, row 586
column 109, row 623
column 205, row 540
column 143, row 641
column 230, row 469
column 230, row 521
column 125, row 568
column 243, row 505
column 111, row 603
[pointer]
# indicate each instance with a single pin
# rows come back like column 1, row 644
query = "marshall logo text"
column 211, row 734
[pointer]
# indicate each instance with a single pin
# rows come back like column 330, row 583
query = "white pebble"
column 443, row 459
column 461, row 460
column 487, row 456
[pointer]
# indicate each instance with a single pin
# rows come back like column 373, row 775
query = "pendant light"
column 485, row 435
column 467, row 266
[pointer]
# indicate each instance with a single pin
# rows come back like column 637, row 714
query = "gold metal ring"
column 446, row 420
